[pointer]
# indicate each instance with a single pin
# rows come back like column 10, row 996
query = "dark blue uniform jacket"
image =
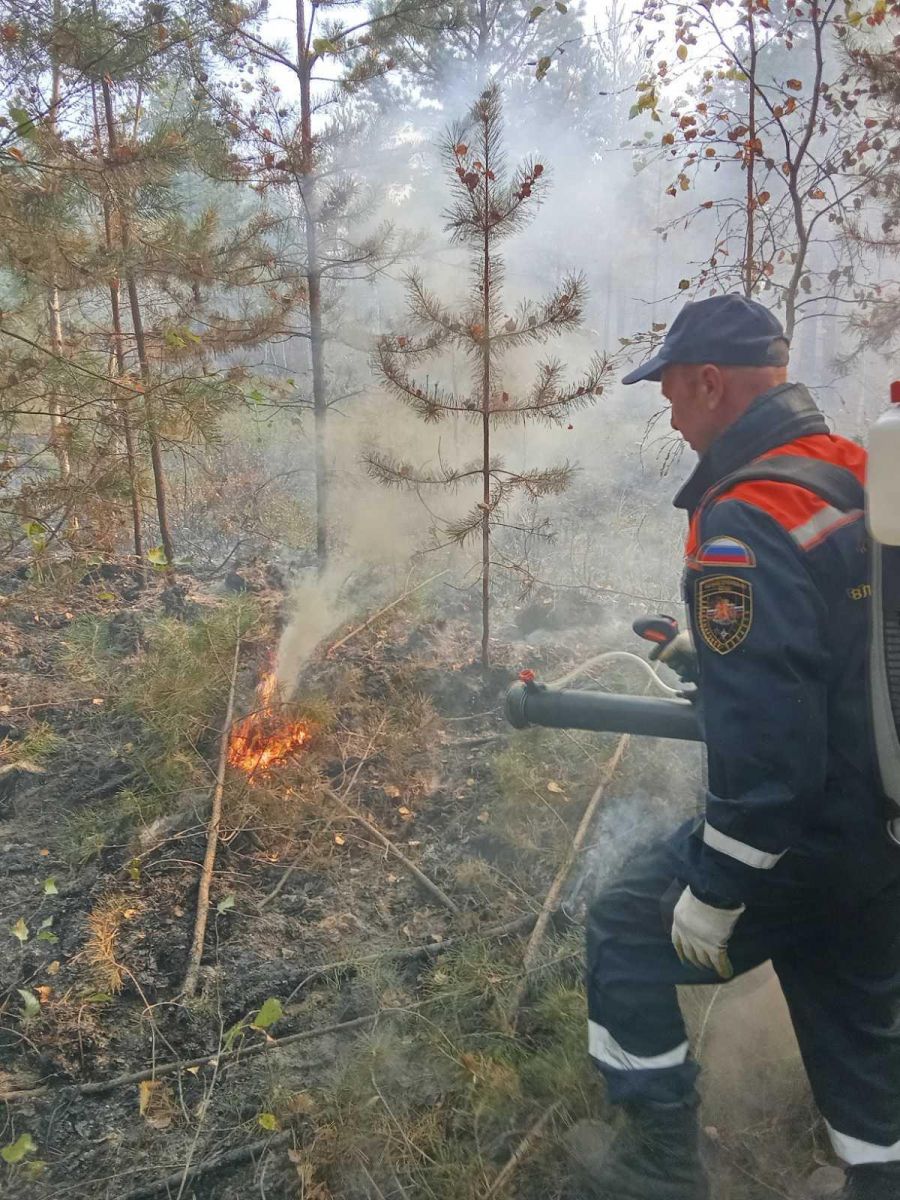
column 777, row 589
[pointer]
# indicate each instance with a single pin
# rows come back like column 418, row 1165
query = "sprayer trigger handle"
column 660, row 629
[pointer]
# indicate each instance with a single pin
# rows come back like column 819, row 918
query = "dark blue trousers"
column 839, row 969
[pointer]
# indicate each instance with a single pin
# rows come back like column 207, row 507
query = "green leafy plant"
column 15, row 1152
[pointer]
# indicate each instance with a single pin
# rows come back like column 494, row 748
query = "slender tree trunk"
column 819, row 20
column 749, row 247
column 486, row 427
column 314, row 285
column 484, row 36
column 159, row 479
column 137, row 521
column 57, row 432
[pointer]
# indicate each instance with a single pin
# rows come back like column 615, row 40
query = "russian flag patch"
column 724, row 552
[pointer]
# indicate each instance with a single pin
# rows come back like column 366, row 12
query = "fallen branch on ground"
column 291, row 868
column 376, row 833
column 230, row 1158
column 552, row 900
column 100, row 1087
column 12, row 775
column 481, row 740
column 524, row 1148
column 212, row 841
column 381, row 612
column 519, row 925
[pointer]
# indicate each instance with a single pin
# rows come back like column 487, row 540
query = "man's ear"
column 712, row 382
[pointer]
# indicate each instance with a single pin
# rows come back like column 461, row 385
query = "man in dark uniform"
column 793, row 861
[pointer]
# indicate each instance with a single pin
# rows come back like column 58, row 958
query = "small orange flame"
column 265, row 738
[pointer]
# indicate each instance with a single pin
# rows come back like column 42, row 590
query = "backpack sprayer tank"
column 883, row 516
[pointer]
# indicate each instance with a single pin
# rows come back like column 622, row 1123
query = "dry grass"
column 101, row 948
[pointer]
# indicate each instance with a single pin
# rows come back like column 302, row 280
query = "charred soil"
column 373, row 892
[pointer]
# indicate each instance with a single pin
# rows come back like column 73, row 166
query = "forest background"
column 210, row 216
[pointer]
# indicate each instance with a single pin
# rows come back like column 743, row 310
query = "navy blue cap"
column 729, row 331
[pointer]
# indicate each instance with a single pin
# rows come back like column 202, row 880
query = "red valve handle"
column 660, row 629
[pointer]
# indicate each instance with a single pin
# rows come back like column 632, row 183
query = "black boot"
column 655, row 1155
column 873, row 1181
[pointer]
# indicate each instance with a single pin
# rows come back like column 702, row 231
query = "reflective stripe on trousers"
column 856, row 1152
column 839, row 969
column 606, row 1050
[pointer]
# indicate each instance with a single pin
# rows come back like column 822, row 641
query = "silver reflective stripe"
column 821, row 522
column 748, row 855
column 604, row 1047
column 856, row 1152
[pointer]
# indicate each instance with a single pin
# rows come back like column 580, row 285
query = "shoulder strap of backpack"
column 836, row 485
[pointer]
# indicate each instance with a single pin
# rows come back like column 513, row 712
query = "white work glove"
column 700, row 933
column 680, row 656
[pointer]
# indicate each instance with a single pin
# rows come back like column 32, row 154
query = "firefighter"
column 792, row 861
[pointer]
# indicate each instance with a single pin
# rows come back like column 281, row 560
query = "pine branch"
column 548, row 481
column 430, row 401
column 425, row 308
column 391, row 471
column 485, row 201
column 560, row 311
column 465, row 528
column 550, row 402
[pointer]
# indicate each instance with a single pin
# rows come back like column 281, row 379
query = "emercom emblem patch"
column 724, row 606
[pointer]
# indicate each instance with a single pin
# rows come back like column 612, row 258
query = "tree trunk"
column 137, row 523
column 124, row 404
column 484, row 37
column 749, row 246
column 819, row 20
column 314, row 285
column 159, row 480
column 57, row 432
column 486, row 427
column 57, row 429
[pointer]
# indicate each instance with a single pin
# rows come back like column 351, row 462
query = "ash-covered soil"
column 351, row 1035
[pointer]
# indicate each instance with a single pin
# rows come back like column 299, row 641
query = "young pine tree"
column 489, row 203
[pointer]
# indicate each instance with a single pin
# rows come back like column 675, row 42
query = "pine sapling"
column 489, row 203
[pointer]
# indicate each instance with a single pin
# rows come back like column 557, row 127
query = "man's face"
column 693, row 402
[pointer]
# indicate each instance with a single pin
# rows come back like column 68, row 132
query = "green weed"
column 39, row 744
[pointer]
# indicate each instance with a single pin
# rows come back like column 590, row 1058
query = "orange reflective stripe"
column 790, row 505
column 692, row 540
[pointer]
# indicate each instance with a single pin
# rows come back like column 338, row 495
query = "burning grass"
column 268, row 736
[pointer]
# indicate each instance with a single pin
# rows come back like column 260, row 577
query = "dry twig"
column 101, row 1086
column 212, row 841
column 376, row 833
column 429, row 949
column 552, row 900
column 381, row 612
column 524, row 1148
column 230, row 1158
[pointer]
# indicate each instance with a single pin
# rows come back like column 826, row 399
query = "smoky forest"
column 313, row 319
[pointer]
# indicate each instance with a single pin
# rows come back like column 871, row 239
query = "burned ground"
column 352, row 1035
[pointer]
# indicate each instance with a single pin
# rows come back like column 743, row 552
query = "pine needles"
column 488, row 203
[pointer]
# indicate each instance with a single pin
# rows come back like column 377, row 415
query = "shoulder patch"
column 724, row 610
column 725, row 552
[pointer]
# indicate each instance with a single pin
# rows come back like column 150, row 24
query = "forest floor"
column 358, row 1031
